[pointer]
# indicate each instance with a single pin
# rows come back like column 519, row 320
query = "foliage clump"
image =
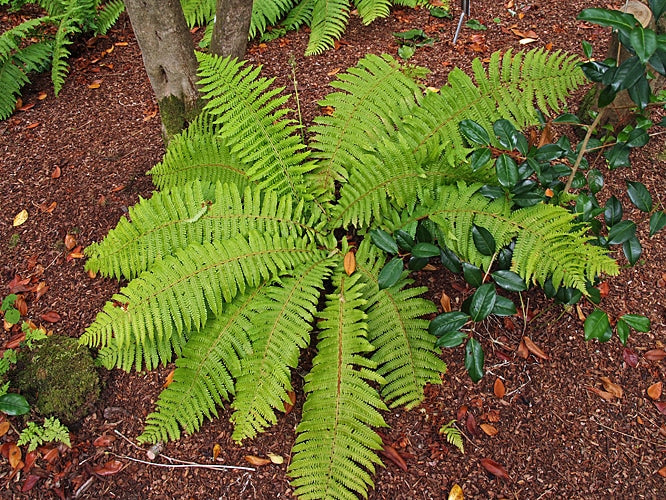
column 58, row 377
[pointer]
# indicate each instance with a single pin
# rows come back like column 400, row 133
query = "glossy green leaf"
column 597, row 326
column 483, row 302
column 605, row 17
column 506, row 133
column 404, row 240
column 508, row 280
column 450, row 260
column 472, row 275
column 483, row 240
column 622, row 330
column 621, row 232
column 447, row 322
column 14, row 404
column 507, row 171
column 474, row 132
column 390, row 273
column 637, row 321
column 613, row 211
column 640, row 93
column 632, row 250
column 627, row 74
column 384, row 241
column 658, row 7
column 451, row 339
column 638, row 137
column 417, row 263
column 504, row 307
column 587, row 48
column 657, row 222
column 479, row 158
column 425, row 250
column 644, row 42
column 406, row 51
column 639, row 196
column 595, row 180
column 474, row 359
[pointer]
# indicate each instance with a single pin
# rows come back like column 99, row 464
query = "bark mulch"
column 76, row 162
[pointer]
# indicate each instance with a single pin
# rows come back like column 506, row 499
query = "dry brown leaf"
column 662, row 471
column 661, row 407
column 109, row 468
column 20, row 218
column 654, row 391
column 495, row 468
column 456, row 493
column 30, row 460
column 350, row 263
column 288, row 406
column 14, row 456
column 56, row 172
column 42, row 96
column 257, row 461
column 30, row 483
column 121, row 44
column 40, row 289
column 606, row 395
column 104, row 440
column 276, row 459
column 498, row 388
column 462, row 413
column 21, row 305
column 446, row 302
column 333, row 72
column 169, row 379
column 655, row 354
column 580, row 313
column 490, row 430
column 522, row 350
column 392, row 454
column 32, row 125
column 50, row 317
column 611, row 387
column 95, row 84
column 48, row 208
column 546, row 135
column 217, row 449
column 471, row 425
column 534, row 349
column 4, row 427
column 51, row 455
column 70, row 241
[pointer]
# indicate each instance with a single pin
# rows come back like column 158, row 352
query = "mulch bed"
column 76, row 162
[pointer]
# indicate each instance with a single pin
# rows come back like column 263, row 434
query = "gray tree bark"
column 231, row 29
column 168, row 56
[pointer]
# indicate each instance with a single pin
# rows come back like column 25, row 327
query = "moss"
column 59, row 378
column 176, row 114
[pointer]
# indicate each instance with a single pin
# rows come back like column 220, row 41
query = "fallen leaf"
column 217, row 449
column 661, row 407
column 121, row 44
column 549, row 46
column 50, row 317
column 495, row 468
column 630, row 357
column 522, row 350
column 276, row 459
column 51, row 455
column 70, row 241
column 26, row 107
column 40, row 289
column 32, row 125
column 257, row 461
column 490, row 430
column 606, row 395
column 456, row 493
column 92, row 274
column 498, row 388
column 524, row 34
column 169, row 379
column 349, row 263
column 48, row 208
column 662, row 471
column 655, row 354
column 20, row 218
column 30, row 483
column 328, row 110
column 392, row 454
column 109, row 468
column 493, row 416
column 604, row 289
column 446, row 302
column 288, row 406
column 471, row 425
column 580, row 313
column 56, row 172
column 611, row 387
column 95, row 84
column 15, row 340
column 333, row 72
column 21, row 305
column 30, row 460
column 654, row 391
column 104, row 440
column 534, row 349
column 14, row 455
column 4, row 427
column 462, row 413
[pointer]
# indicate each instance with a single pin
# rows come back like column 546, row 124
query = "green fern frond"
column 68, row 24
column 453, row 435
column 300, row 14
column 198, row 12
column 405, row 352
column 195, row 213
column 254, row 124
column 329, row 20
column 108, row 15
column 204, row 374
column 373, row 99
column 369, row 10
column 509, row 89
column 280, row 328
column 267, row 13
column 149, row 318
column 335, row 450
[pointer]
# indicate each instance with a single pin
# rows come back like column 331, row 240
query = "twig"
column 622, row 433
column 185, row 464
column 583, row 148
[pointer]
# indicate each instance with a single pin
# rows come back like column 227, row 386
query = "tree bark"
column 232, row 24
column 168, row 56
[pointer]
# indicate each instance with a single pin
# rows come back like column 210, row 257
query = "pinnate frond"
column 328, row 23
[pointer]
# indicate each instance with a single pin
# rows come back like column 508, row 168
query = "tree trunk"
column 168, row 56
column 232, row 24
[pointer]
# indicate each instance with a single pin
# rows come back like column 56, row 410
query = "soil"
column 76, row 162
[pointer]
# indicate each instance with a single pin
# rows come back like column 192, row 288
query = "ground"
column 76, row 162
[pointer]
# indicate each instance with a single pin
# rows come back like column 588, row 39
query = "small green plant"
column 10, row 313
column 35, row 435
column 476, row 25
column 453, row 435
column 409, row 41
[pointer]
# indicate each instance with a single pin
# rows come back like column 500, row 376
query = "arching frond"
column 198, row 12
column 68, row 24
column 267, row 13
column 107, row 16
column 328, row 23
column 369, row 10
column 280, row 328
column 335, row 450
column 300, row 14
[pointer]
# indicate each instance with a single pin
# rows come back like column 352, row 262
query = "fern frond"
column 280, row 328
column 369, row 10
column 373, row 99
column 198, row 12
column 405, row 352
column 328, row 23
column 149, row 318
column 194, row 213
column 300, row 14
column 267, row 13
column 204, row 373
column 453, row 435
column 509, row 89
column 67, row 26
column 254, row 124
column 108, row 15
column 198, row 153
column 335, row 450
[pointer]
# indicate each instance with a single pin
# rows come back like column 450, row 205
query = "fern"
column 328, row 23
column 107, row 16
column 229, row 262
column 334, row 453
column 300, row 14
column 453, row 435
column 198, row 12
column 369, row 10
column 266, row 13
column 68, row 25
